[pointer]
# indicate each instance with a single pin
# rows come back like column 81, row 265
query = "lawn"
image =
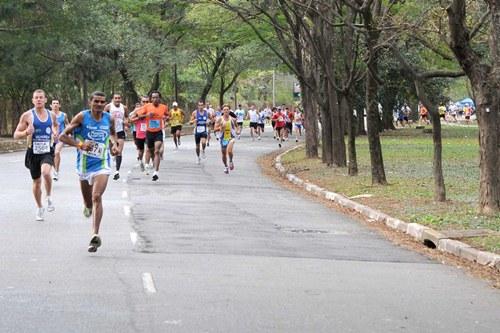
column 407, row 157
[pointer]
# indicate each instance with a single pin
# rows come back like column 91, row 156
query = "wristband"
column 79, row 145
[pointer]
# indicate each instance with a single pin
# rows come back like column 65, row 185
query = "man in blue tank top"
column 201, row 120
column 62, row 122
column 39, row 126
column 94, row 132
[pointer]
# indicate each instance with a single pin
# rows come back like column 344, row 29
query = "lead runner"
column 93, row 131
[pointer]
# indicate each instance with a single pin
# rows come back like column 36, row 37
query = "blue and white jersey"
column 41, row 140
column 201, row 122
column 60, row 122
column 240, row 115
column 97, row 134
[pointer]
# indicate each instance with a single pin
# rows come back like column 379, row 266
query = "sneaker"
column 141, row 165
column 198, row 160
column 258, row 138
column 50, row 205
column 116, row 176
column 203, row 156
column 55, row 176
column 148, row 169
column 155, row 178
column 226, row 170
column 87, row 212
column 39, row 214
column 95, row 242
column 231, row 166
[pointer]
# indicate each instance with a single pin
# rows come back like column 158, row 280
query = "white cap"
column 174, row 104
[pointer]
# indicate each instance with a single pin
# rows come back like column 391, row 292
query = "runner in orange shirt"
column 156, row 114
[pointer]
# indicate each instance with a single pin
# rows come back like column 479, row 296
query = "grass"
column 407, row 157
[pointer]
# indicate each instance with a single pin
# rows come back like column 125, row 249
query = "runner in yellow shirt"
column 176, row 121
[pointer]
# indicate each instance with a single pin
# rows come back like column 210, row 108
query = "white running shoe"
column 258, row 138
column 226, row 170
column 198, row 160
column 39, row 214
column 50, row 205
column 55, row 176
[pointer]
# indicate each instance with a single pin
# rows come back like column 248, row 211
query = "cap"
column 175, row 104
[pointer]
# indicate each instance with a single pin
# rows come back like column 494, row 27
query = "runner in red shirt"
column 279, row 119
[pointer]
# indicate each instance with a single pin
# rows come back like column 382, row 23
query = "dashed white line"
column 126, row 210
column 124, row 194
column 148, row 283
column 133, row 237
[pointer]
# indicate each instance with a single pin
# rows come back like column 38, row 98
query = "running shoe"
column 231, row 166
column 258, row 138
column 50, row 205
column 95, row 242
column 226, row 170
column 296, row 140
column 198, row 160
column 39, row 214
column 55, row 176
column 179, row 141
column 87, row 212
column 155, row 178
column 116, row 176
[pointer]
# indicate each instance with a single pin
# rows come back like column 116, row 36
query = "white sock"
column 155, row 173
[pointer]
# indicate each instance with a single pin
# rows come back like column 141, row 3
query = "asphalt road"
column 201, row 251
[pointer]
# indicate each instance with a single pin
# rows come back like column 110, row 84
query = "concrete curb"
column 420, row 233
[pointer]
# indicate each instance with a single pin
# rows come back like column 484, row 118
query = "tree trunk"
column 176, row 84
column 485, row 81
column 437, row 161
column 387, row 116
column 373, row 123
column 130, row 93
column 155, row 84
column 338, row 141
column 326, row 126
column 346, row 106
column 311, row 122
column 221, row 55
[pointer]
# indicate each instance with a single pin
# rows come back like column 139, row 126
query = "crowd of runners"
column 99, row 134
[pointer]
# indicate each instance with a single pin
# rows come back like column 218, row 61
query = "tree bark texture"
column 485, row 81
column 346, row 106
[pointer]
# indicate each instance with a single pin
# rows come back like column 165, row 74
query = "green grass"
column 407, row 157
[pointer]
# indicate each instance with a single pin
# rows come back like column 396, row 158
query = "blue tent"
column 466, row 101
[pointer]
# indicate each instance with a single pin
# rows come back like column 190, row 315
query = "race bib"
column 280, row 119
column 143, row 127
column 154, row 123
column 200, row 129
column 41, row 147
column 96, row 149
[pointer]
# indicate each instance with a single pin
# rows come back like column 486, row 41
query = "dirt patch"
column 9, row 145
column 489, row 274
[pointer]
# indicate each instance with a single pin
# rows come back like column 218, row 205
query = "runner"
column 177, row 119
column 279, row 118
column 120, row 116
column 298, row 119
column 94, row 131
column 62, row 122
column 228, row 127
column 155, row 114
column 289, row 121
column 240, row 116
column 253, row 116
column 274, row 110
column 200, row 118
column 39, row 126
column 211, row 123
column 139, row 125
column 261, row 123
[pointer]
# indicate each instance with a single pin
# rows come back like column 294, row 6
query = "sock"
column 118, row 162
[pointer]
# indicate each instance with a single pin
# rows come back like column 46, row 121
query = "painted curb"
column 419, row 232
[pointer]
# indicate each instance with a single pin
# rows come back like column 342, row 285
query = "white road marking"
column 173, row 322
column 124, row 194
column 148, row 283
column 133, row 237
column 126, row 210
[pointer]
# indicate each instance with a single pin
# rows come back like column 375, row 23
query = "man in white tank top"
column 120, row 114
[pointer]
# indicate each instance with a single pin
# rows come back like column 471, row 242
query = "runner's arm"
column 23, row 127
column 55, row 125
column 66, row 137
column 193, row 117
column 112, row 136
